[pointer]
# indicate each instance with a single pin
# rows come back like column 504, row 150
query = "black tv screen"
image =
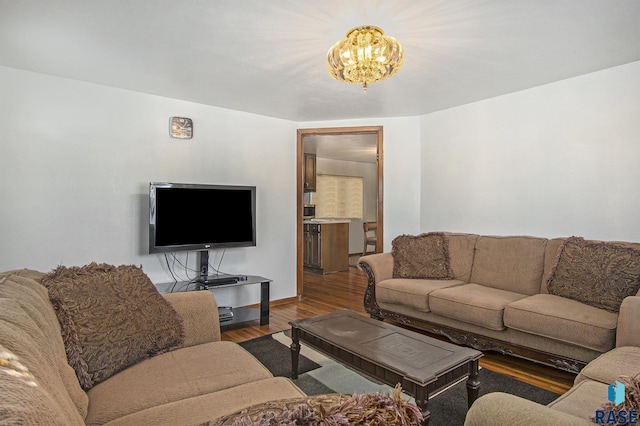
column 200, row 217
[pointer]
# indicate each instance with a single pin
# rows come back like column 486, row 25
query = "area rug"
column 319, row 374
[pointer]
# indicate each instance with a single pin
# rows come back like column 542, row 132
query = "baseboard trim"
column 284, row 301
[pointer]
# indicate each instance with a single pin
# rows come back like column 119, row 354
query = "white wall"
column 556, row 160
column 76, row 160
column 401, row 159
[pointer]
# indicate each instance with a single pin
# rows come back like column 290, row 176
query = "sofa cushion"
column 210, row 406
column 473, row 303
column 23, row 401
column 563, row 319
column 410, row 292
column 111, row 317
column 597, row 273
column 173, row 376
column 623, row 361
column 509, row 263
column 422, row 256
column 501, row 408
column 582, row 400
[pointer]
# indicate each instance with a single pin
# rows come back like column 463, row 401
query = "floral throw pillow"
column 421, row 256
column 596, row 273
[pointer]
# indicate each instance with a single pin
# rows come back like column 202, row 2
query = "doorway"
column 377, row 134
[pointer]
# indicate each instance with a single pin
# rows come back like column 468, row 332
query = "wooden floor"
column 326, row 293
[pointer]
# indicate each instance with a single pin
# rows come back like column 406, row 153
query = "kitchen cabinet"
column 311, row 258
column 309, row 172
column 326, row 247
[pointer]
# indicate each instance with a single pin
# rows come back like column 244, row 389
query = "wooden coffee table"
column 421, row 364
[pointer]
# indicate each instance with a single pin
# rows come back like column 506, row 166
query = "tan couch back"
column 550, row 257
column 29, row 329
column 514, row 263
column 461, row 252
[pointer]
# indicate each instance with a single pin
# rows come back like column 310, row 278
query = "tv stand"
column 240, row 314
column 203, row 263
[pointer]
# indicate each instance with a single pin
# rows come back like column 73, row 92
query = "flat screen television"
column 200, row 217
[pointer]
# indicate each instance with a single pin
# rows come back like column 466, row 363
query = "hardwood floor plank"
column 326, row 293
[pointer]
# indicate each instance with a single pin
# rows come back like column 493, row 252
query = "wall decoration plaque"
column 181, row 128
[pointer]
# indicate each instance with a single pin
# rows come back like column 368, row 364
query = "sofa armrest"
column 380, row 265
column 499, row 408
column 628, row 332
column 199, row 312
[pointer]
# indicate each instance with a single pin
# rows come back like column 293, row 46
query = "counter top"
column 320, row 221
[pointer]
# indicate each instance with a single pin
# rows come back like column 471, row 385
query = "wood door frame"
column 301, row 133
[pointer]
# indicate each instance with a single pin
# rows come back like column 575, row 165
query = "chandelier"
column 365, row 56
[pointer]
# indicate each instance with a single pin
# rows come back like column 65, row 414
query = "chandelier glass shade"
column 365, row 56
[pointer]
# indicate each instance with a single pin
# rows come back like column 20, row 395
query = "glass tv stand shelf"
column 240, row 314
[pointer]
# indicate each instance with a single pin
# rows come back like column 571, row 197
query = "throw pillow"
column 374, row 409
column 421, row 256
column 596, row 273
column 111, row 317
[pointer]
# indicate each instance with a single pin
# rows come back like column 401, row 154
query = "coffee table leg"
column 473, row 383
column 295, row 352
column 422, row 401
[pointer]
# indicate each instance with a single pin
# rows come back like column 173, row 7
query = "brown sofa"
column 579, row 405
column 200, row 382
column 495, row 295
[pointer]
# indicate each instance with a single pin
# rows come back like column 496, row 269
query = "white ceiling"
column 268, row 57
column 361, row 148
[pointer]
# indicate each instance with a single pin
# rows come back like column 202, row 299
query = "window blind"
column 338, row 196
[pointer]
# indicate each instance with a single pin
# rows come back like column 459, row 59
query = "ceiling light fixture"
column 365, row 56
